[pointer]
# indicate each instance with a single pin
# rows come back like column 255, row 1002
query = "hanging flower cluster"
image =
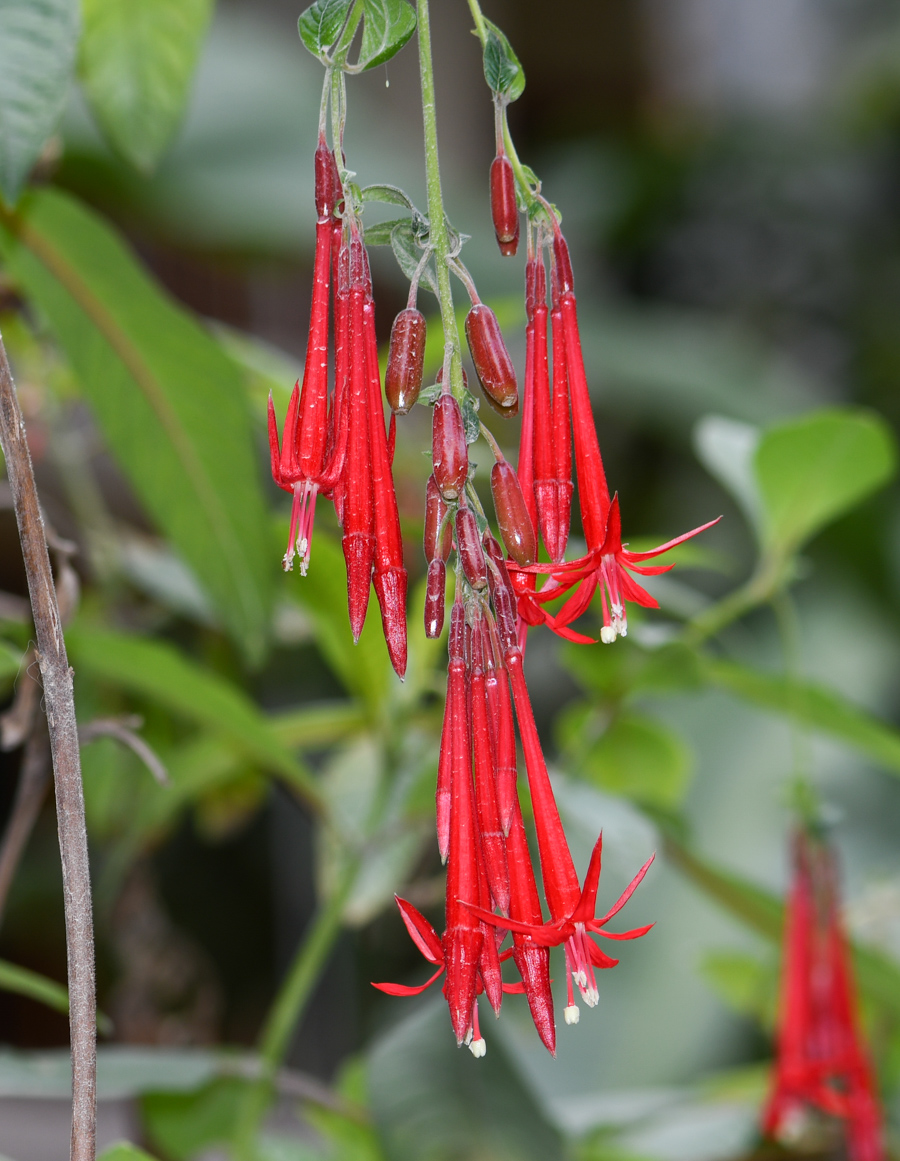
column 822, row 1063
column 334, row 443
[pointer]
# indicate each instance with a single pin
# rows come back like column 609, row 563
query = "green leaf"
column 379, row 233
column 639, row 759
column 388, row 26
column 424, row 1089
column 181, row 1124
column 320, row 25
column 159, row 672
column 471, row 422
column 815, row 705
column 391, row 195
column 812, row 470
column 38, row 41
column 727, row 448
column 502, row 70
column 124, row 1151
column 408, row 253
column 629, row 669
column 136, row 62
column 37, row 987
column 170, row 403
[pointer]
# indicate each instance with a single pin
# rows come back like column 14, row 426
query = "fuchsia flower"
column 545, row 474
column 821, row 1059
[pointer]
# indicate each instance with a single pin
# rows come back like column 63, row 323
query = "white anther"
column 478, row 1048
column 607, row 634
column 572, row 1014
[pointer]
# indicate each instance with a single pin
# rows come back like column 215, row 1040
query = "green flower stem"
column 293, row 996
column 528, row 195
column 439, row 240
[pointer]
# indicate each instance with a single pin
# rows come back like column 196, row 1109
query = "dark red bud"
column 435, row 511
column 468, row 545
column 403, row 378
column 504, row 210
column 435, row 598
column 503, row 595
column 491, row 359
column 512, row 515
column 450, row 459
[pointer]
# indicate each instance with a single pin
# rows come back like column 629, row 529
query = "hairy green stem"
column 438, row 237
column 758, row 590
column 317, row 943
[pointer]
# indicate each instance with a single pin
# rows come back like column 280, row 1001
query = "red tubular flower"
column 562, row 435
column 821, row 1059
column 493, row 842
column 389, row 576
column 571, row 907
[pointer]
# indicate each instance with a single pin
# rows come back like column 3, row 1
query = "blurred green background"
column 728, row 173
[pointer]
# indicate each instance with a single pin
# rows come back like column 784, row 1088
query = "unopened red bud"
column 328, row 182
column 403, row 378
column 503, row 595
column 450, row 459
column 435, row 513
column 512, row 515
column 491, row 358
column 504, row 210
column 435, row 598
column 468, row 545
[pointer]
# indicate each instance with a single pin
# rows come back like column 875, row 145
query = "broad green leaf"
column 136, row 62
column 812, row 470
column 124, row 1151
column 320, row 25
column 878, row 975
column 815, row 705
column 423, row 1089
column 157, row 671
column 319, row 724
column 502, row 70
column 122, row 1071
column 639, row 759
column 409, row 254
column 388, row 25
column 38, row 42
column 629, row 669
column 170, row 403
column 727, row 448
column 745, row 983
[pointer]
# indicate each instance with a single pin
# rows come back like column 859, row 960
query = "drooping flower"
column 821, row 1061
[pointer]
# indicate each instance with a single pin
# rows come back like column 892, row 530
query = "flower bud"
column 503, row 595
column 435, row 598
column 512, row 515
column 564, row 280
column 450, row 459
column 403, row 378
column 468, row 546
column 328, row 182
column 504, row 211
column 491, row 359
column 435, row 511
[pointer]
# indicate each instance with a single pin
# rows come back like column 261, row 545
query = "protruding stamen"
column 572, row 1014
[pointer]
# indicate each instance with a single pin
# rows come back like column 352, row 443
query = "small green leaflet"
column 136, row 62
column 320, row 25
column 408, row 254
column 388, row 26
column 502, row 70
column 38, row 42
column 380, row 233
column 471, row 422
column 393, row 195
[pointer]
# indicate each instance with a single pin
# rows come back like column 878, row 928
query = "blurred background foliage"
column 729, row 177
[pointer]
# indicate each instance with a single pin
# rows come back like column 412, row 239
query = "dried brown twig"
column 56, row 678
